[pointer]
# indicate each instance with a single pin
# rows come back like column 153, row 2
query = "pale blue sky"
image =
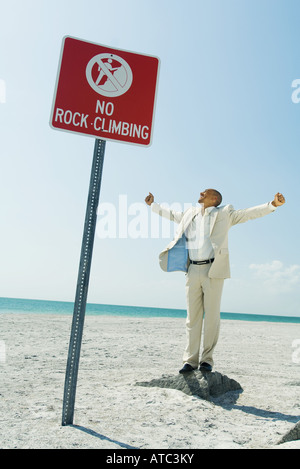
column 224, row 118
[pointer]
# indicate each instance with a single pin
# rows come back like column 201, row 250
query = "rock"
column 292, row 435
column 196, row 383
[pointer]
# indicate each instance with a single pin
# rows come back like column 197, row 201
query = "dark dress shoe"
column 187, row 368
column 205, row 367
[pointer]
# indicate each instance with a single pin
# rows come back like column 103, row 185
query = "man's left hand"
column 278, row 200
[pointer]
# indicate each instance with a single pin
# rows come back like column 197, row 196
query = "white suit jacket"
column 175, row 255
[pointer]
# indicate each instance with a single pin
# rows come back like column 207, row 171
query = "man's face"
column 207, row 198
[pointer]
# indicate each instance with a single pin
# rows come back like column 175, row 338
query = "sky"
column 227, row 116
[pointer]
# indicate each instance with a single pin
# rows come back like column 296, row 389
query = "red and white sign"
column 105, row 93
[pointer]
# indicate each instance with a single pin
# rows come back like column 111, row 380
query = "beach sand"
column 112, row 412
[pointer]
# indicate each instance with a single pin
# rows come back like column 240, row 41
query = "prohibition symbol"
column 109, row 75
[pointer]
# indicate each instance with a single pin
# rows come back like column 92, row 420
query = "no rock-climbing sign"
column 108, row 94
column 105, row 93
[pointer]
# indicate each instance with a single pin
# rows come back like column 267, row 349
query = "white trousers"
column 203, row 296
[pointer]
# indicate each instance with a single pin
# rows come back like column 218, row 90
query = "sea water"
column 19, row 305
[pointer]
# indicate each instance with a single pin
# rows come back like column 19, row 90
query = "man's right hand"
column 149, row 199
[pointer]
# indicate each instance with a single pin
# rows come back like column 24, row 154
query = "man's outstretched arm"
column 165, row 212
column 241, row 216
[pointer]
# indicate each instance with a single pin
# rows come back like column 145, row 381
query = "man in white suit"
column 200, row 248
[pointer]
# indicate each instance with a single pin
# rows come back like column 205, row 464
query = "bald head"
column 210, row 198
column 217, row 195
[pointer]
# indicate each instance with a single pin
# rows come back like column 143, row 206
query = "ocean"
column 19, row 305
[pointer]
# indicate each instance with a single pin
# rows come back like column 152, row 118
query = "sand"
column 112, row 412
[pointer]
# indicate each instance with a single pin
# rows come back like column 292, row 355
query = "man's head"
column 210, row 198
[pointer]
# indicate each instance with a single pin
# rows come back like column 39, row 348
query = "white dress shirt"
column 198, row 237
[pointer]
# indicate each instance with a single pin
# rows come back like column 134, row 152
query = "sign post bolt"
column 83, row 283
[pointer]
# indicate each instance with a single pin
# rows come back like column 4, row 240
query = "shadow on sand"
column 102, row 437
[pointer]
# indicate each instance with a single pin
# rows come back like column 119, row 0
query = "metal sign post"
column 83, row 283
